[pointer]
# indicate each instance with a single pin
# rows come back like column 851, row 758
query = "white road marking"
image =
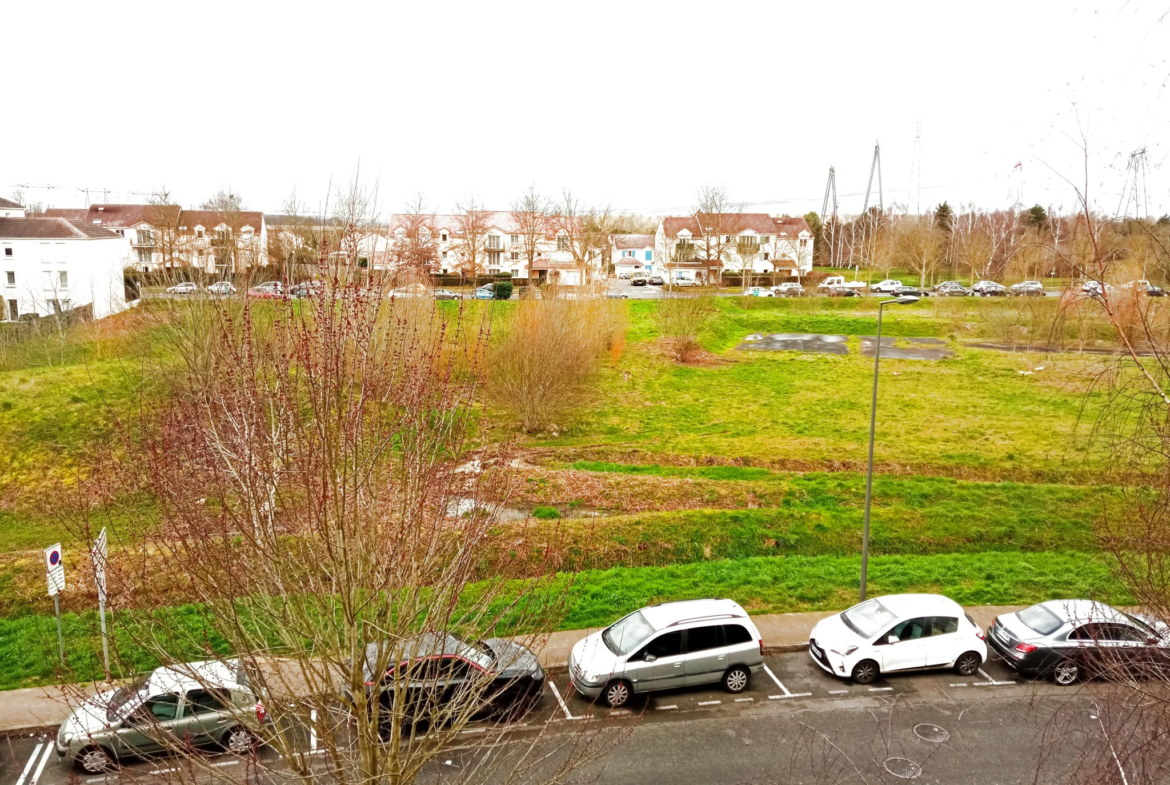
column 880, row 689
column 838, row 692
column 961, row 685
column 227, row 763
column 561, row 701
column 473, row 730
column 666, row 708
column 619, row 712
column 789, row 695
column 41, row 766
column 779, row 684
column 163, row 771
column 709, row 703
column 313, row 730
column 744, row 700
column 28, row 766
column 990, row 681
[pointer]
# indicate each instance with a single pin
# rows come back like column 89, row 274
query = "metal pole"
column 60, row 636
column 877, row 356
column 105, row 638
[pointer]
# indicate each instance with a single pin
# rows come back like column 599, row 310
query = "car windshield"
column 627, row 634
column 1040, row 620
column 126, row 697
column 869, row 618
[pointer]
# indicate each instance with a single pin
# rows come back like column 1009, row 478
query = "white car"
column 687, row 282
column 788, row 289
column 222, row 287
column 888, row 286
column 186, row 287
column 899, row 632
column 759, row 291
column 1094, row 288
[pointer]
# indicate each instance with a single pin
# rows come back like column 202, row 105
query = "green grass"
column 546, row 513
column 706, row 472
column 596, row 598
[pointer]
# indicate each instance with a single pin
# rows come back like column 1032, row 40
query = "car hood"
column 832, row 632
column 593, row 656
column 513, row 659
column 90, row 717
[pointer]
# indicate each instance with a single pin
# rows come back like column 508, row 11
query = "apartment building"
column 632, row 253
column 53, row 265
column 702, row 246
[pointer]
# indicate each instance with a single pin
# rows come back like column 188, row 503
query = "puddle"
column 812, row 343
column 907, row 348
column 505, row 513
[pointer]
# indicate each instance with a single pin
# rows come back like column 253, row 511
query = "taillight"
column 1026, row 648
column 979, row 633
column 260, row 712
column 761, row 647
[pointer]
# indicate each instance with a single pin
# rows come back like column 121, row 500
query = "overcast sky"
column 634, row 104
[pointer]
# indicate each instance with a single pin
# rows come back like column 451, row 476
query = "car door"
column 706, row 658
column 904, row 646
column 661, row 663
column 205, row 715
column 942, row 647
column 149, row 728
column 1121, row 648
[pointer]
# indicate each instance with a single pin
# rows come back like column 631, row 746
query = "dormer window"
column 562, row 242
column 198, row 233
column 443, row 237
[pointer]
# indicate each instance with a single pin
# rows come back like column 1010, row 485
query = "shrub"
column 503, row 290
column 680, row 317
column 546, row 513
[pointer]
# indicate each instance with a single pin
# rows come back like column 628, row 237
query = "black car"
column 1154, row 291
column 446, row 677
column 656, row 280
column 842, row 291
column 1067, row 640
column 910, row 291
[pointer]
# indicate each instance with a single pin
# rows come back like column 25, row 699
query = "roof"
column 673, row 224
column 9, row 204
column 209, row 219
column 909, row 605
column 52, row 229
column 1082, row 611
column 669, row 613
column 73, row 213
column 791, row 227
column 193, row 675
column 627, row 242
column 735, row 223
column 549, row 264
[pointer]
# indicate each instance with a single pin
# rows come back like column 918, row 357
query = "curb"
column 29, row 730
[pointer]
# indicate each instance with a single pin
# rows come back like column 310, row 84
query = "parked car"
column 989, row 289
column 625, row 274
column 788, row 289
column 1067, row 640
column 758, row 291
column 655, row 280
column 1027, row 289
column 1154, row 291
column 952, row 289
column 667, row 646
column 910, row 291
column 1096, row 288
column 502, row 676
column 204, row 703
column 686, row 282
column 840, row 291
column 306, row 289
column 186, row 287
column 938, row 286
column 486, row 292
column 412, row 290
column 616, row 295
column 835, row 281
column 269, row 289
column 888, row 286
column 222, row 287
column 1146, row 288
column 447, row 294
column 639, row 280
column 899, row 632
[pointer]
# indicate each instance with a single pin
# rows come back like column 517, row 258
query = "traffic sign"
column 99, row 554
column 55, row 569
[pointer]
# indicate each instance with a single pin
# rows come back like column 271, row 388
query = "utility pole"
column 916, row 170
column 831, row 187
column 1136, row 190
column 876, row 166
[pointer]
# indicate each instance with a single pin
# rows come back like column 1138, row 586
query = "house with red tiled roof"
column 703, row 246
column 10, row 209
column 632, row 253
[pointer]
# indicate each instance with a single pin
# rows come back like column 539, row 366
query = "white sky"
column 634, row 104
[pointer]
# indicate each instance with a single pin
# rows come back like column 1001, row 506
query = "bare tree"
column 716, row 215
column 531, row 220
column 415, row 248
column 472, row 224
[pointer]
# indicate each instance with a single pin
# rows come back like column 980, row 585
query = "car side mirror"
column 893, row 639
column 649, row 658
column 1152, row 641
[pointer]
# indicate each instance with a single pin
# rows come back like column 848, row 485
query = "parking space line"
column 709, row 703
column 838, row 692
column 473, row 730
column 666, row 708
column 227, row 763
column 880, row 689
column 961, row 685
column 41, row 766
column 619, row 712
column 990, row 681
column 744, row 700
column 313, row 730
column 28, row 766
column 163, row 771
column 561, row 701
column 779, row 683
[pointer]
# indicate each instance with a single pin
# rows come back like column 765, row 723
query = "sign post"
column 99, row 553
column 55, row 573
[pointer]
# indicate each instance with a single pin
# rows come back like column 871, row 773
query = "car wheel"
column 865, row 672
column 239, row 740
column 1066, row 673
column 736, row 679
column 617, row 694
column 94, row 760
column 968, row 663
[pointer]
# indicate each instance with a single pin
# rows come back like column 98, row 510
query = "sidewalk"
column 41, row 709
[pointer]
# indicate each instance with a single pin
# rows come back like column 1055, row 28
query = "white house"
column 165, row 236
column 10, row 209
column 51, row 265
column 632, row 253
column 782, row 245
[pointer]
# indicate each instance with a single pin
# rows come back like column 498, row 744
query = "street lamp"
column 877, row 356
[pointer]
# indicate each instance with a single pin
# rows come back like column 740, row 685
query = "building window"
column 648, row 255
column 803, row 242
column 63, row 278
column 493, row 241
column 562, row 242
column 8, row 252
column 10, row 277
column 198, row 234
column 13, row 310
column 494, row 258
column 443, row 237
column 514, row 239
column 765, row 256
column 514, row 256
column 444, row 254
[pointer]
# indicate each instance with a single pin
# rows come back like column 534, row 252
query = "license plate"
column 816, row 649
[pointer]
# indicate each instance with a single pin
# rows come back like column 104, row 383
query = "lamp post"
column 877, row 357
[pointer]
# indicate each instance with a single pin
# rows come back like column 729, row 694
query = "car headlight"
column 849, row 650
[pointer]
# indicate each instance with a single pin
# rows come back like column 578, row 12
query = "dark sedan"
column 910, row 291
column 444, row 678
column 1068, row 640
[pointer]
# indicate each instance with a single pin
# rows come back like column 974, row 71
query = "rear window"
column 1040, row 620
column 735, row 634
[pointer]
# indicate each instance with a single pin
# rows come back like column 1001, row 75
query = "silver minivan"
column 664, row 647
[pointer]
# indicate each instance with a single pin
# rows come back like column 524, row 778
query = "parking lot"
column 791, row 685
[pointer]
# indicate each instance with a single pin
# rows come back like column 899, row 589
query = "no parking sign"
column 55, row 569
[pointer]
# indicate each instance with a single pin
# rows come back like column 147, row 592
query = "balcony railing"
column 142, row 242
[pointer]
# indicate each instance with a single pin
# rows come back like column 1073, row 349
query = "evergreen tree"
column 944, row 216
column 1037, row 216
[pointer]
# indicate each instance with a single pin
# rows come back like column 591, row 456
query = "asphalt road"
column 793, row 724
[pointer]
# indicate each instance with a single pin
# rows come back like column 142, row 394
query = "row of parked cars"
column 674, row 645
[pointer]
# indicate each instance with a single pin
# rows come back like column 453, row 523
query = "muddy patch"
column 812, row 343
column 907, row 348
